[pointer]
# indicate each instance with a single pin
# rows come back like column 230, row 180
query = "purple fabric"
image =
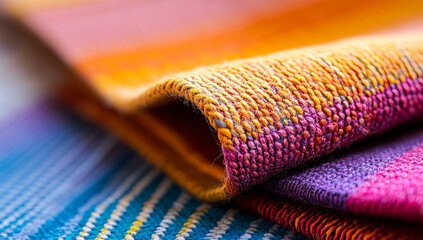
column 331, row 184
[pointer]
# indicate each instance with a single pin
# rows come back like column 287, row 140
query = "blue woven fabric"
column 61, row 177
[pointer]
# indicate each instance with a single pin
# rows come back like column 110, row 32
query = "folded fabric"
column 269, row 114
column 311, row 221
column 381, row 177
column 63, row 178
column 81, row 183
column 267, row 126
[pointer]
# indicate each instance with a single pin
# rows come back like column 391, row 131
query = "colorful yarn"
column 380, row 177
column 61, row 177
column 271, row 113
column 322, row 223
column 274, row 111
column 313, row 106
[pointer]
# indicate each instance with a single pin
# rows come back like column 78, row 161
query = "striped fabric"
column 375, row 177
column 258, row 104
column 62, row 178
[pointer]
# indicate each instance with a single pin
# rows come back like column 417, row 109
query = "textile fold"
column 232, row 97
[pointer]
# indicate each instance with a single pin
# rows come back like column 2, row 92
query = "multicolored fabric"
column 381, row 177
column 83, row 183
column 312, row 221
column 61, row 178
column 272, row 113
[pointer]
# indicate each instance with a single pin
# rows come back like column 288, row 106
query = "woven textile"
column 63, row 178
column 225, row 97
column 381, row 177
column 82, row 182
column 270, row 113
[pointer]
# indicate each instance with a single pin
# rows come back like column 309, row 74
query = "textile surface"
column 63, row 178
column 368, row 179
column 228, row 97
column 82, row 183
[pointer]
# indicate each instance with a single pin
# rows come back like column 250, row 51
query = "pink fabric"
column 399, row 182
column 144, row 23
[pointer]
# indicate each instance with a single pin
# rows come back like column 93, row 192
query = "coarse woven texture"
column 271, row 114
column 322, row 223
column 83, row 183
column 49, row 134
column 289, row 108
column 313, row 222
column 62, row 178
column 381, row 177
column 294, row 116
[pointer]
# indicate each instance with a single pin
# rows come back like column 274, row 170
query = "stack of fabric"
column 279, row 119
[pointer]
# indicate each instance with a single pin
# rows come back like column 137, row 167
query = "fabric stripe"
column 103, row 187
column 171, row 215
column 252, row 228
column 125, row 201
column 98, row 211
column 147, row 209
column 396, row 189
column 222, row 225
column 270, row 233
column 60, row 185
column 51, row 215
column 47, row 150
column 192, row 222
column 45, row 184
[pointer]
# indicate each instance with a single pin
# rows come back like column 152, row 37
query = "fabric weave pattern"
column 258, row 104
column 82, row 183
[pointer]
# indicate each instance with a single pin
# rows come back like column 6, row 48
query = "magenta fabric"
column 381, row 176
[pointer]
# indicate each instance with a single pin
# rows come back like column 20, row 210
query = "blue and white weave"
column 62, row 178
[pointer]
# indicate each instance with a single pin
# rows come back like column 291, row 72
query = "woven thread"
column 61, row 177
column 276, row 112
